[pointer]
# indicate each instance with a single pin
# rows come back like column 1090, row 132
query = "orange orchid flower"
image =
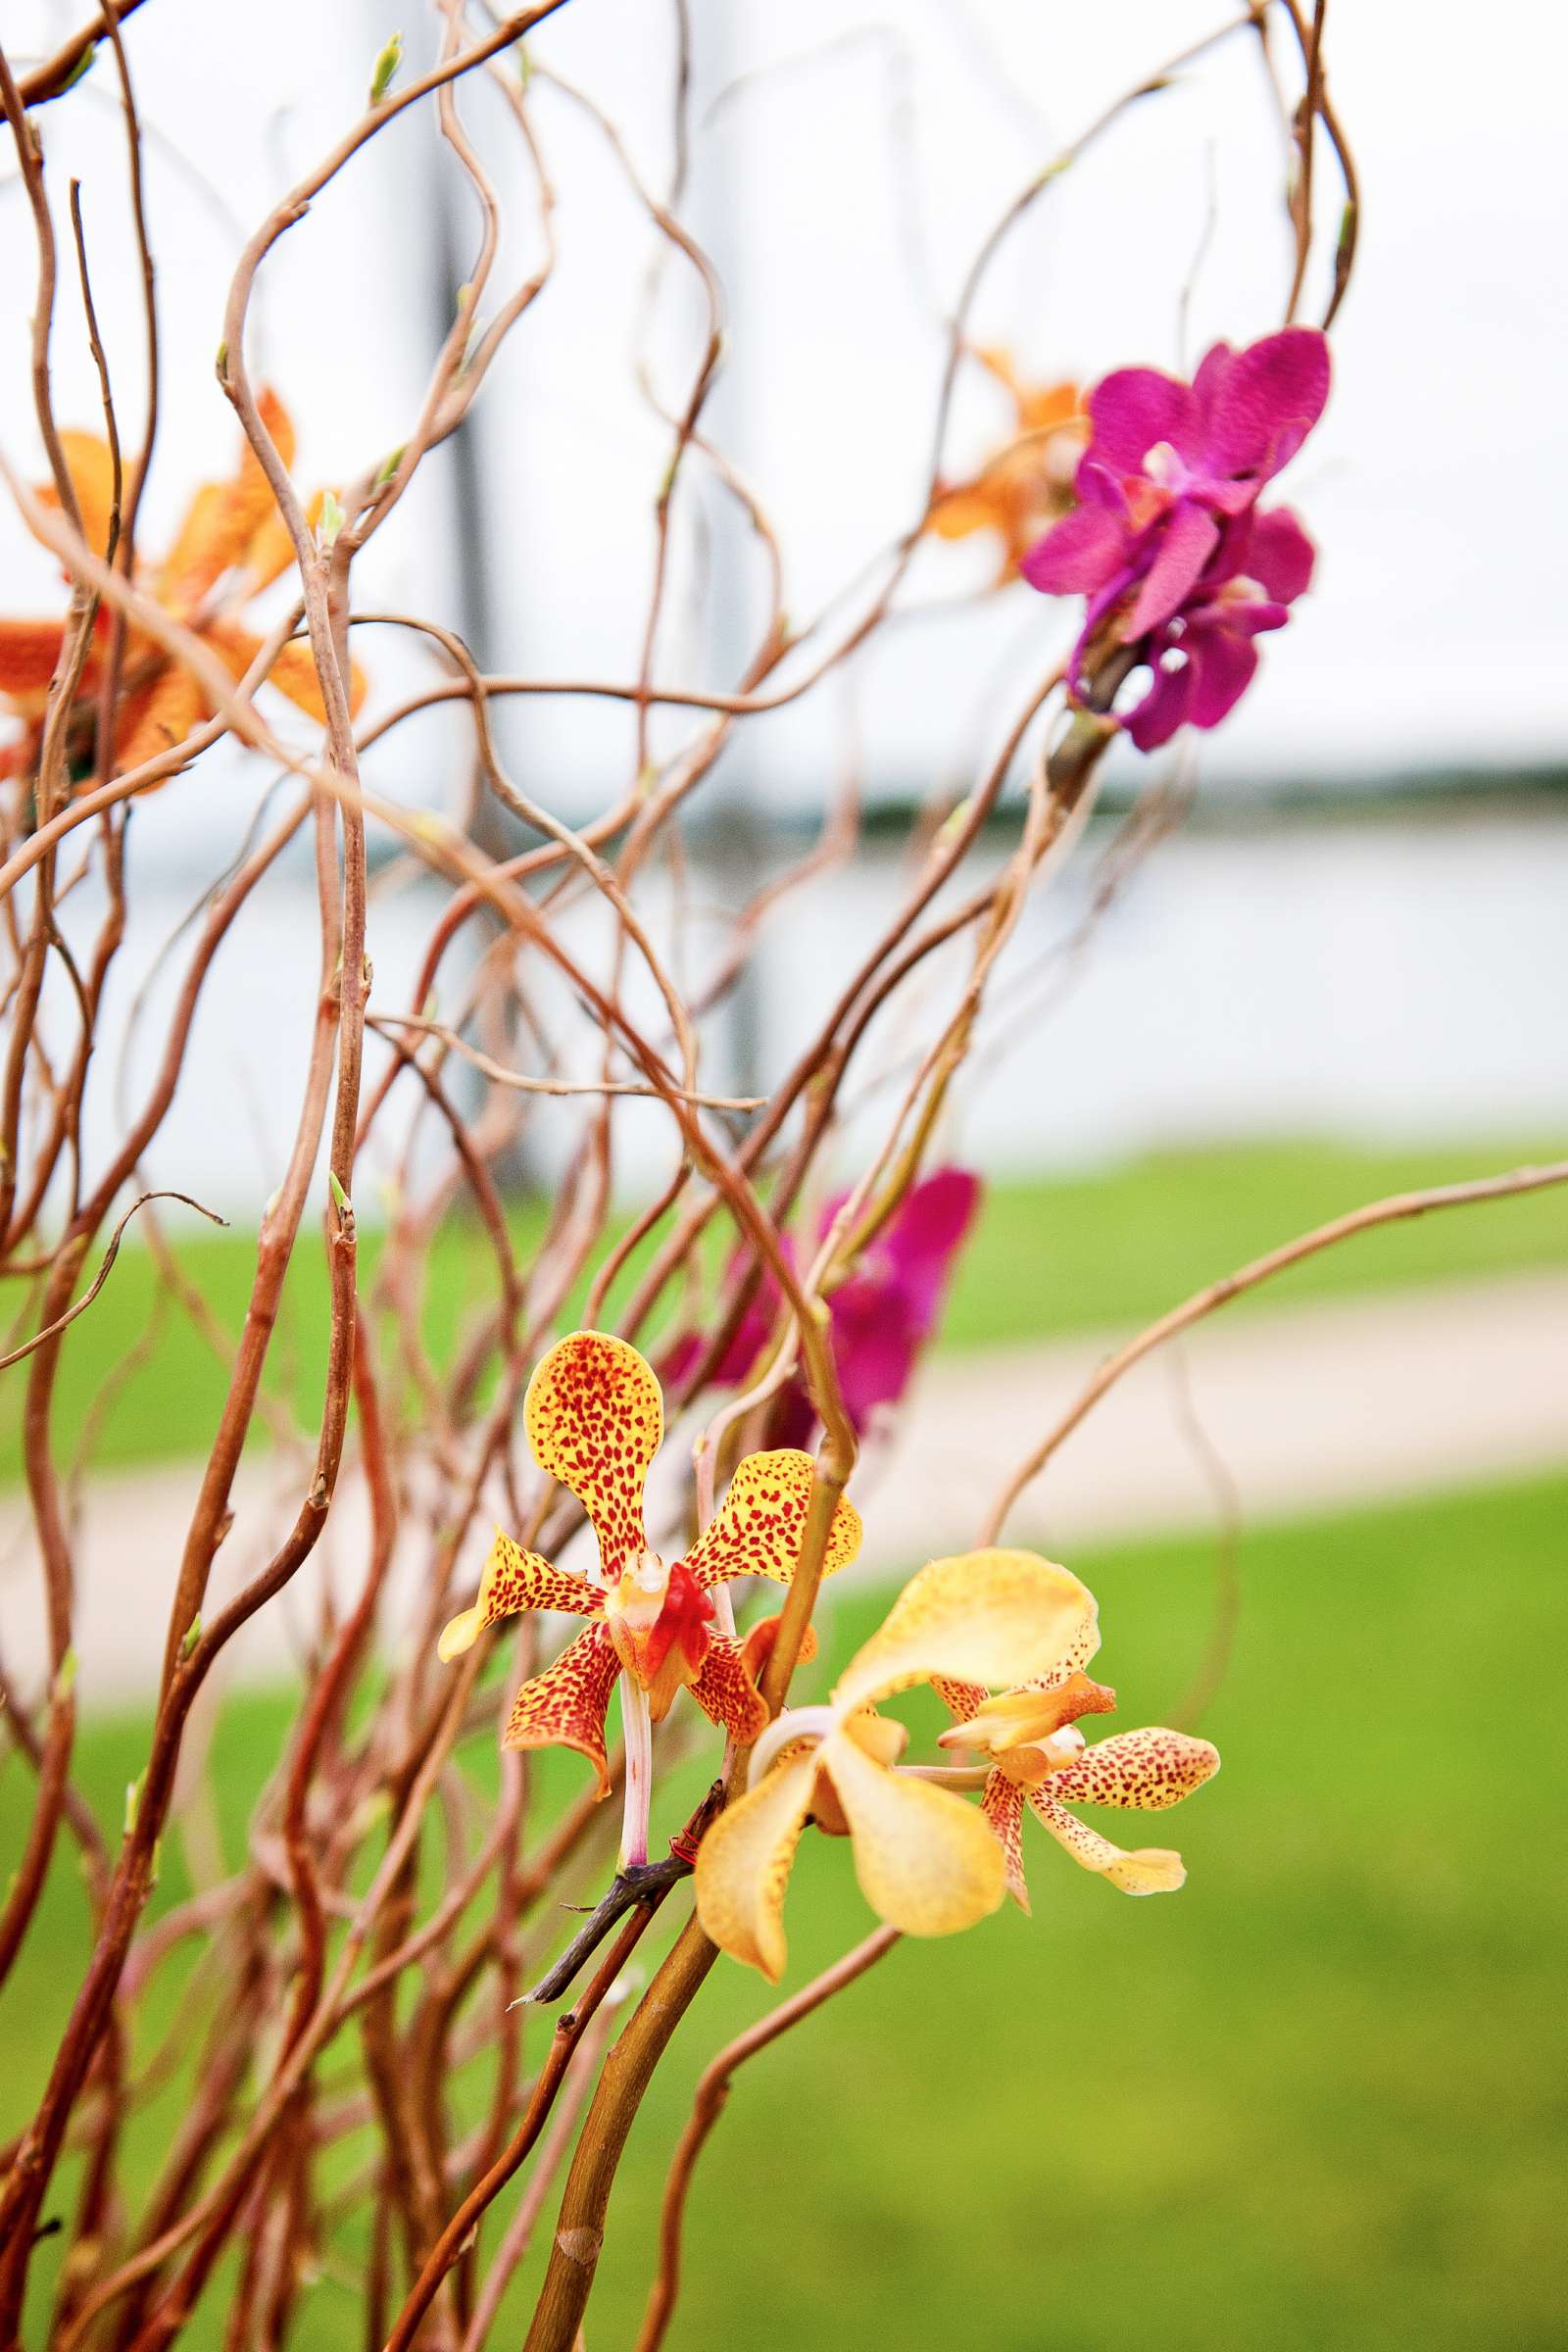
column 926, row 1860
column 1038, row 1756
column 594, row 1413
column 1027, row 484
column 229, row 547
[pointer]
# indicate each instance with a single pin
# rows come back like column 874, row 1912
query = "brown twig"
column 708, row 2105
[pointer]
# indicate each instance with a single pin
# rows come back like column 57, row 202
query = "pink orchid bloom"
column 1203, row 657
column 1168, row 520
column 882, row 1316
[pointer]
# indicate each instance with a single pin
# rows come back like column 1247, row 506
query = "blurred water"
column 1374, row 980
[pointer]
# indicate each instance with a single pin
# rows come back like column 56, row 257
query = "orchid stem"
column 637, row 1725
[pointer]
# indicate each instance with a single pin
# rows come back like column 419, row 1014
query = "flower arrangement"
column 424, row 1998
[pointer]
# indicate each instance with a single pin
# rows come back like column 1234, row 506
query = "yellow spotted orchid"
column 1027, row 484
column 229, row 547
column 594, row 1414
column 1037, row 1755
column 926, row 1859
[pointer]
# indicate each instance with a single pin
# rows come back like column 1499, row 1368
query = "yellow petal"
column 926, row 1861
column 1152, row 1870
column 759, row 1528
column 992, row 1617
column 1148, row 1770
column 512, row 1580
column 743, row 1866
column 968, row 507
column 1050, row 408
column 595, row 1418
column 880, row 1738
column 1023, row 1718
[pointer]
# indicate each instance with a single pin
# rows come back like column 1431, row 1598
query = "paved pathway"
column 1307, row 1407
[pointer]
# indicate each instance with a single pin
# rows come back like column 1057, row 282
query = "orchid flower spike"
column 927, row 1861
column 595, row 1420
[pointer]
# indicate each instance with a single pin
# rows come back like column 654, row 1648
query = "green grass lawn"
column 1317, row 2101
column 1111, row 1247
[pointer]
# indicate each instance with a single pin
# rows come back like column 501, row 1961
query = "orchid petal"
column 1022, row 1719
column 992, row 1617
column 926, row 1861
column 966, row 508
column 1189, row 540
column 1152, row 1870
column 1079, row 553
column 725, row 1690
column 595, row 1418
column 758, row 1640
column 293, row 671
column 744, row 1862
column 1164, row 708
column 1001, row 1807
column 28, row 653
column 1223, row 664
column 1134, row 408
column 1267, row 401
column 1280, row 554
column 513, row 1580
column 1146, row 1771
column 161, row 716
column 565, row 1705
column 758, row 1529
column 962, row 1701
column 90, row 464
column 224, row 518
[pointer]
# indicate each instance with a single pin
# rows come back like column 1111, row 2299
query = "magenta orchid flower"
column 1203, row 657
column 882, row 1316
column 1165, row 543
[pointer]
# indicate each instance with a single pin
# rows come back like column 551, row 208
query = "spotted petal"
column 744, row 1863
column 513, row 1580
column 1152, row 1870
column 1148, row 1770
column 926, row 1861
column 595, row 1418
column 757, row 1530
column 565, row 1705
column 726, row 1691
column 1002, row 1804
column 992, row 1617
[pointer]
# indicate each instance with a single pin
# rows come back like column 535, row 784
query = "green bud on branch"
column 384, row 72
